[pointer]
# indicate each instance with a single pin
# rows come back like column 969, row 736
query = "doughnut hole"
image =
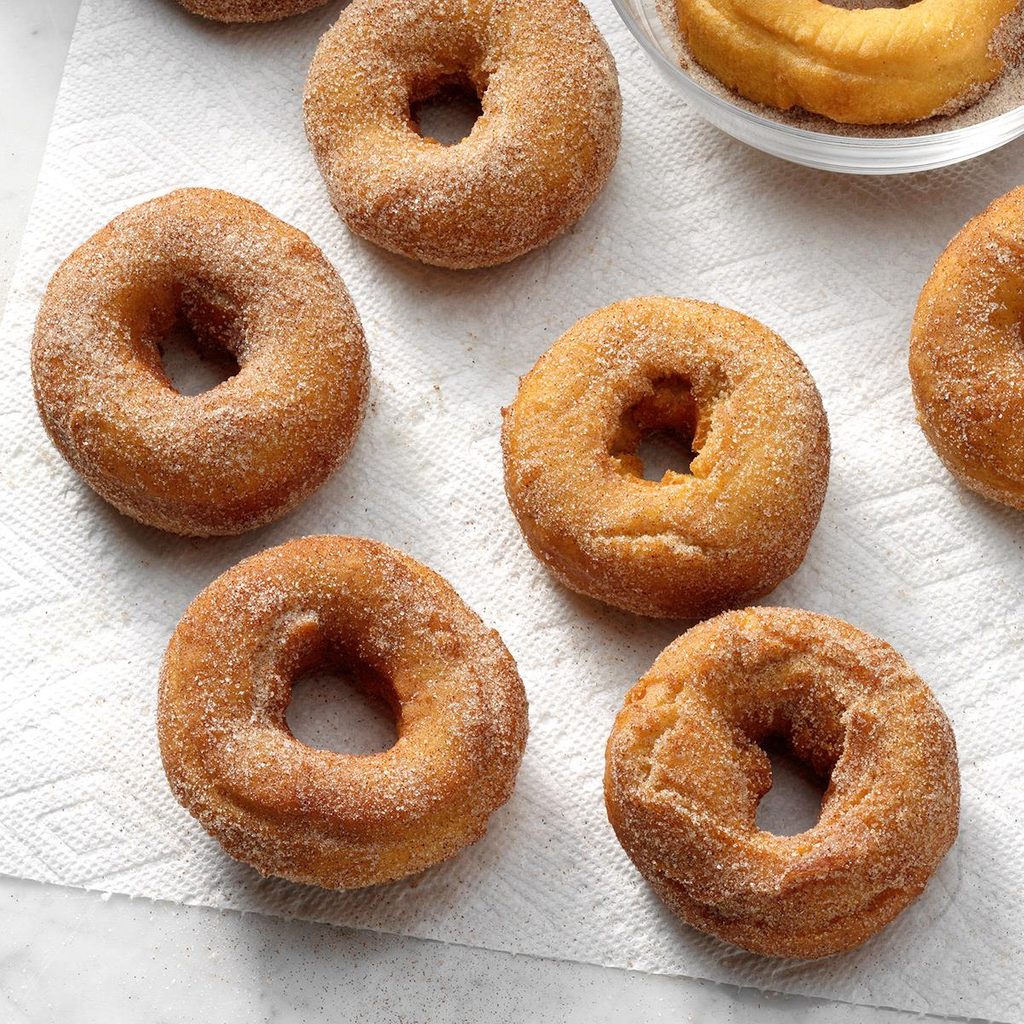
column 188, row 334
column 333, row 699
column 793, row 804
column 659, row 437
column 445, row 109
column 193, row 365
column 788, row 748
column 331, row 709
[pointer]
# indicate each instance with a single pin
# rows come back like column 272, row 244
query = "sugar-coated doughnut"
column 539, row 153
column 250, row 449
column 250, row 10
column 724, row 533
column 966, row 353
column 685, row 773
column 339, row 820
column 886, row 65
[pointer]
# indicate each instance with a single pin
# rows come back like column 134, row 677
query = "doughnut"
column 537, row 156
column 685, row 772
column 246, row 283
column 340, row 821
column 693, row 543
column 965, row 353
column 250, row 10
column 886, row 65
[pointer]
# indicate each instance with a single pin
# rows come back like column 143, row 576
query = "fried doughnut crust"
column 685, row 773
column 338, row 820
column 965, row 353
column 721, row 534
column 250, row 449
column 536, row 158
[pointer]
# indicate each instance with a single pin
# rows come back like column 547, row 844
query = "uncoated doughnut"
column 686, row 546
column 880, row 66
column 250, row 449
column 685, row 774
column 330, row 819
column 537, row 156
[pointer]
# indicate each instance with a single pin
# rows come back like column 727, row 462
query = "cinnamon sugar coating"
column 537, row 156
column 338, row 820
column 685, row 773
column 245, row 452
column 687, row 546
column 250, row 10
column 967, row 353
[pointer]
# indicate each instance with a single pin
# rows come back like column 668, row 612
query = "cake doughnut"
column 965, row 353
column 250, row 10
column 250, row 449
column 890, row 64
column 537, row 156
column 685, row 772
column 721, row 534
column 340, row 821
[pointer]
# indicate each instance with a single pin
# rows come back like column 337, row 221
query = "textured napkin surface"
column 154, row 99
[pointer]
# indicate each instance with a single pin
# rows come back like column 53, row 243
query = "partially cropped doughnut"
column 250, row 449
column 965, row 353
column 685, row 772
column 885, row 65
column 336, row 820
column 537, row 156
column 721, row 534
column 250, row 10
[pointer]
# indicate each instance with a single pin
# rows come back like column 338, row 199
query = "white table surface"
column 72, row 956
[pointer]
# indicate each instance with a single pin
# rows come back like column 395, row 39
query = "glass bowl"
column 849, row 154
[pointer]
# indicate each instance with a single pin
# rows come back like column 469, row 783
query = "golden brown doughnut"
column 539, row 153
column 691, row 544
column 339, row 820
column 966, row 353
column 685, row 772
column 250, row 10
column 887, row 65
column 250, row 449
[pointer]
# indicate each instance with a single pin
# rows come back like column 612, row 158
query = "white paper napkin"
column 154, row 99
